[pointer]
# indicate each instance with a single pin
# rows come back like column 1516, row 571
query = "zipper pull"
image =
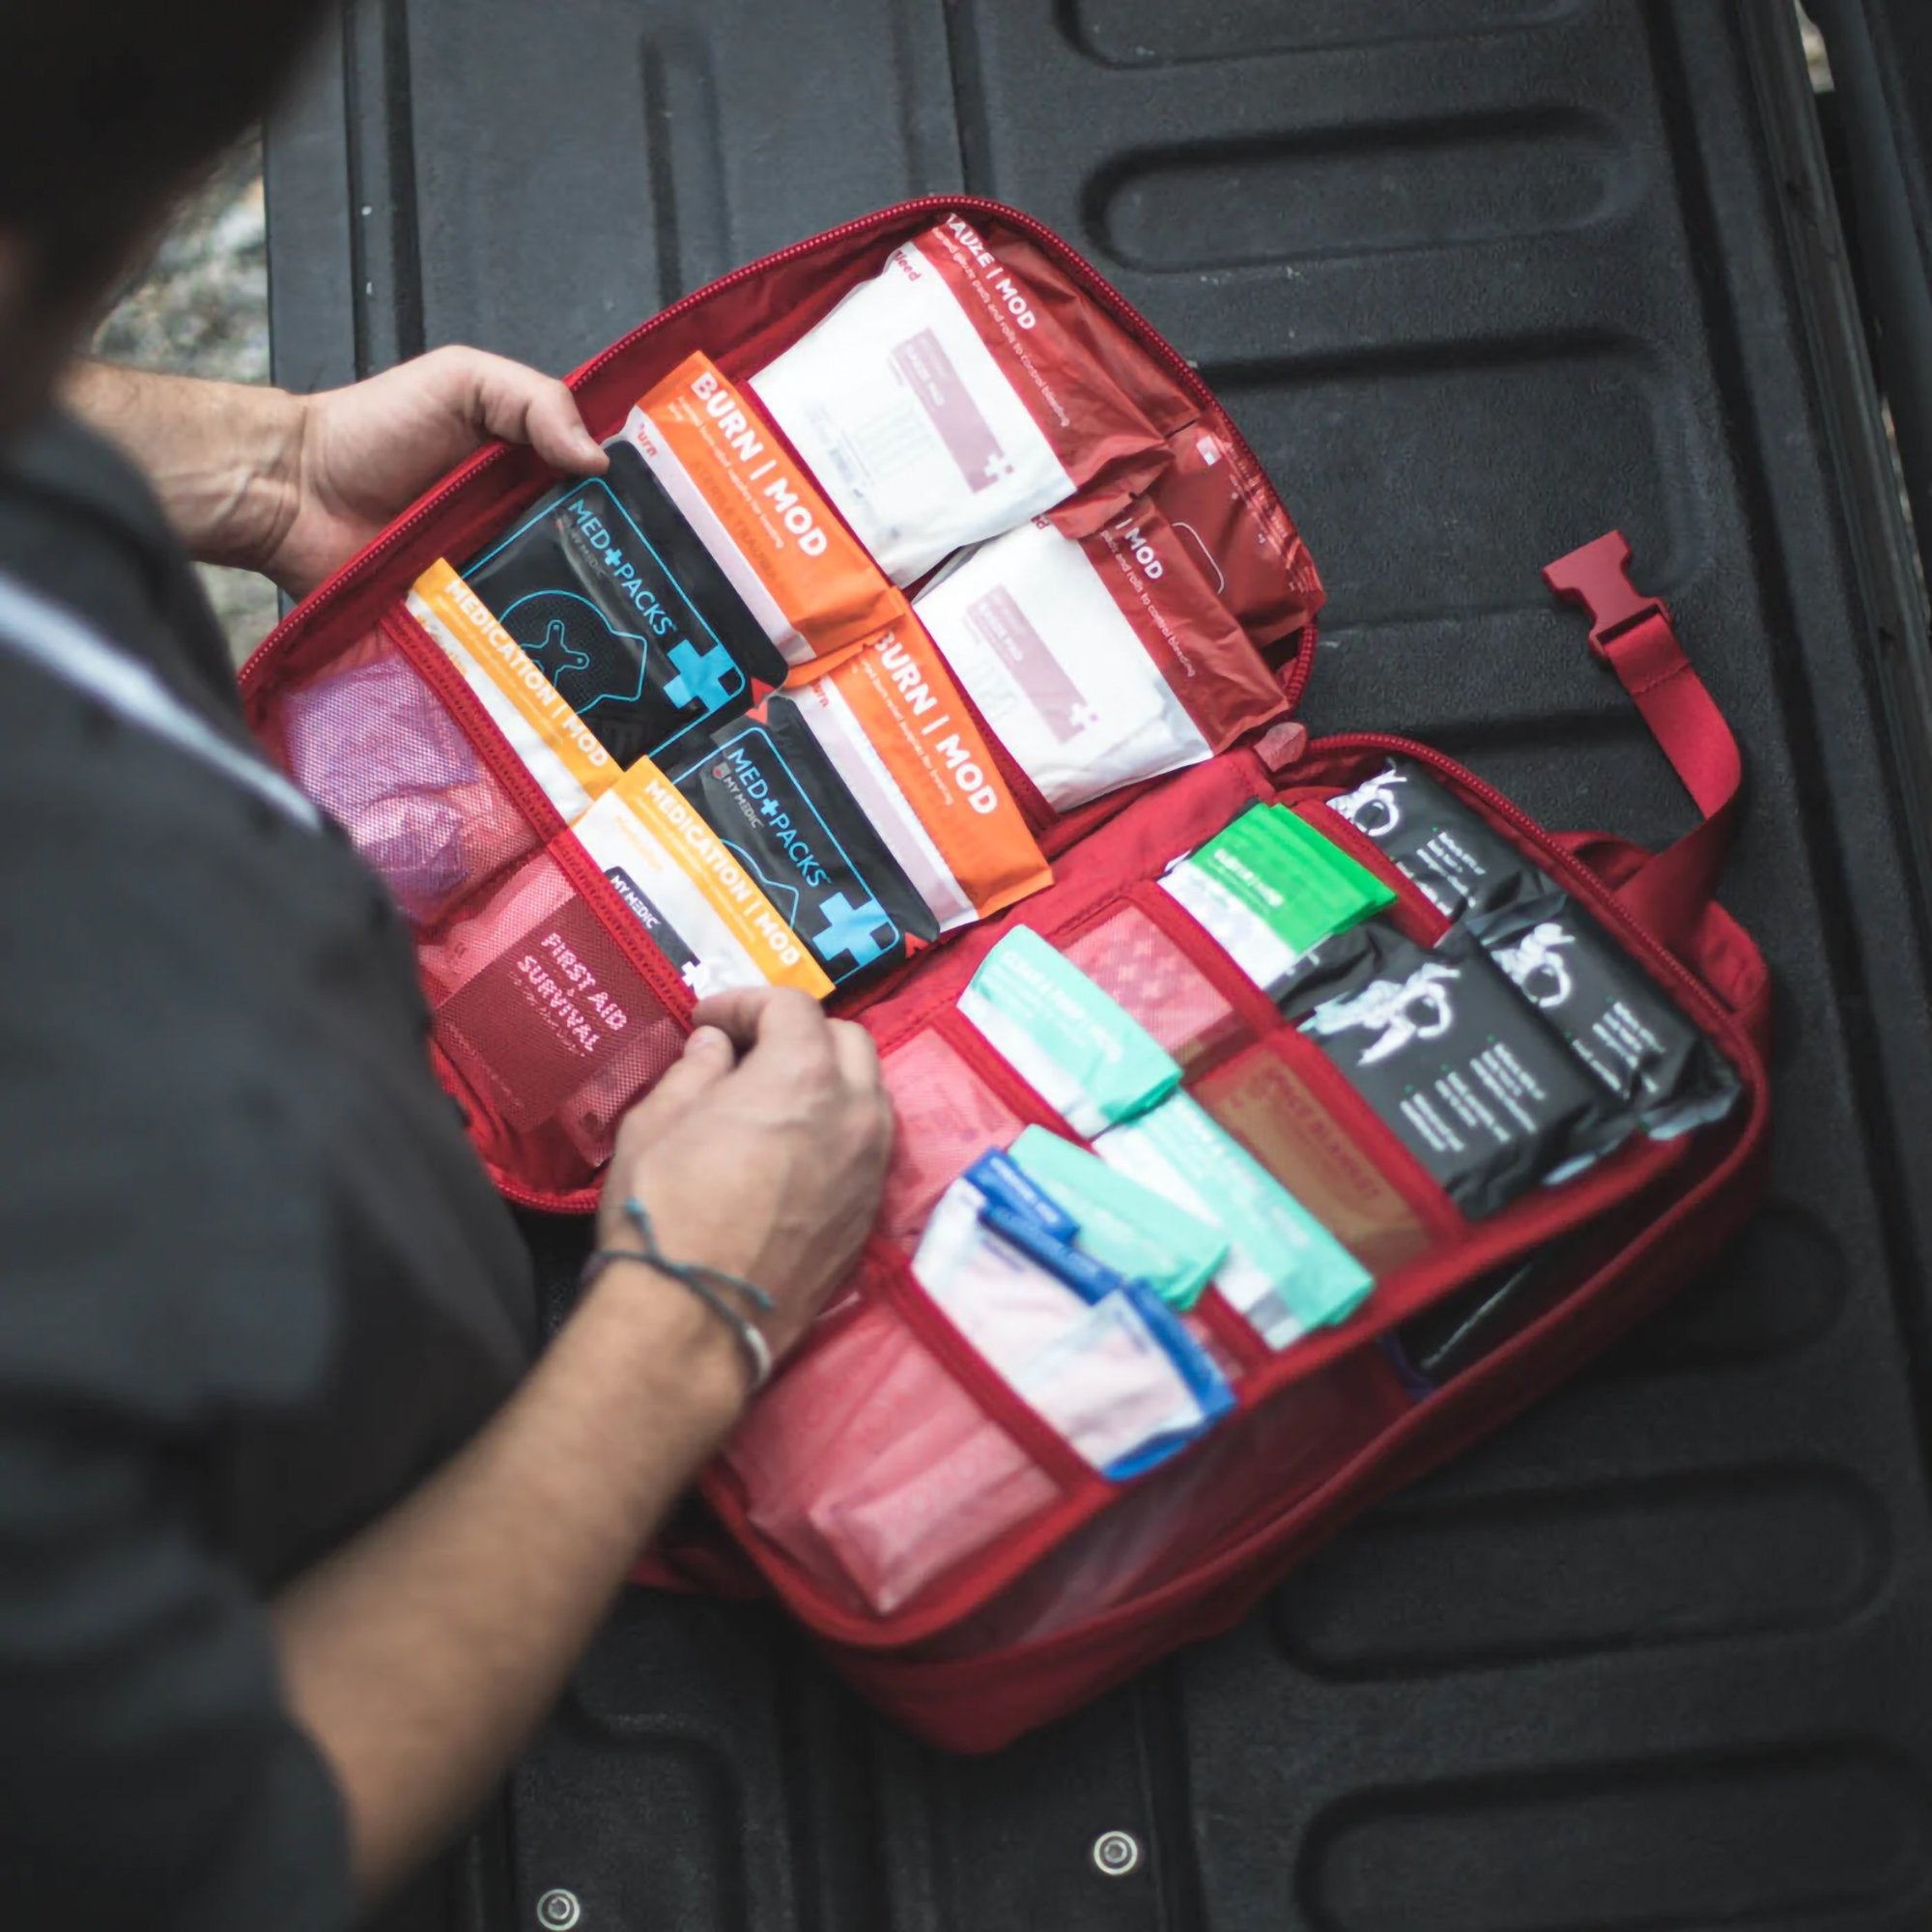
column 1282, row 744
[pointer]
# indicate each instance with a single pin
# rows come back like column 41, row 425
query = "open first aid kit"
column 1275, row 1115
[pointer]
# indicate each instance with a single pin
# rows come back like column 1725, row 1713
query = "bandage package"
column 896, row 730
column 1269, row 1103
column 1100, row 660
column 960, row 391
column 1110, row 1368
column 1467, row 871
column 769, row 792
column 698, row 900
column 798, row 569
column 611, row 594
column 1283, row 1272
column 1135, row 1234
column 1269, row 888
column 1076, row 1048
column 598, row 629
column 1640, row 1047
column 1467, row 1074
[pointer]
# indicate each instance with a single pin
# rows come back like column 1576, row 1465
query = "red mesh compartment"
column 374, row 747
column 1266, row 1098
column 1254, row 1467
column 872, row 1470
column 551, row 1027
column 1136, row 965
column 947, row 1118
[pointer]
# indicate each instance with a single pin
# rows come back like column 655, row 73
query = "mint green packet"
column 1283, row 1272
column 1121, row 1225
column 1079, row 1051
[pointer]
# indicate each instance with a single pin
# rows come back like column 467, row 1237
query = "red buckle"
column 1597, row 575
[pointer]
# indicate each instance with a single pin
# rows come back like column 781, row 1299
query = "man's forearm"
column 223, row 456
column 422, row 1654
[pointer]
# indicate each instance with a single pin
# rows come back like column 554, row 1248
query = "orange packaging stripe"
column 909, row 708
column 713, row 869
column 820, row 576
column 469, row 633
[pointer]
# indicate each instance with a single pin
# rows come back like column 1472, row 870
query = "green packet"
column 1304, row 886
column 1121, row 1225
column 1078, row 1050
column 1285, row 1271
column 1269, row 888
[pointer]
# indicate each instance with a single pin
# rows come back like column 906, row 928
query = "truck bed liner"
column 1479, row 278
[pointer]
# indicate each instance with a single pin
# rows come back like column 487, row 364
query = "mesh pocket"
column 542, row 1012
column 1142, row 970
column 1264, row 1098
column 874, row 1471
column 1258, row 1465
column 373, row 745
column 947, row 1118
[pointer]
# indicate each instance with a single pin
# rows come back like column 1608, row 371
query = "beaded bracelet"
column 710, row 1284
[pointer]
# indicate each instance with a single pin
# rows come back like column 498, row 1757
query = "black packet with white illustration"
column 768, row 790
column 1463, row 1069
column 1645, row 1053
column 615, row 599
column 1466, row 871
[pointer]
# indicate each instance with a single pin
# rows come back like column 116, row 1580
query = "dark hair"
column 108, row 107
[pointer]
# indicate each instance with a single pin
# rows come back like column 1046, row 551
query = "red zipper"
column 1084, row 272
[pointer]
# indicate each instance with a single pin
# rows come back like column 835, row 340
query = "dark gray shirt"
column 253, row 1284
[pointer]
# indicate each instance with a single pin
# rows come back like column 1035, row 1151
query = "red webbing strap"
column 1633, row 634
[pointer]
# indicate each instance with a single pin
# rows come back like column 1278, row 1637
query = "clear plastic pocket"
column 1257, row 1470
column 1282, row 1104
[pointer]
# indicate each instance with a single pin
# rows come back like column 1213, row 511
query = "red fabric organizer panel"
column 741, row 321
column 1145, row 838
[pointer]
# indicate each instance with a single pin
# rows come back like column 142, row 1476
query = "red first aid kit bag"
column 953, row 488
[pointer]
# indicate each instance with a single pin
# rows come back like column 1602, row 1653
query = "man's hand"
column 294, row 486
column 365, row 453
column 760, row 1152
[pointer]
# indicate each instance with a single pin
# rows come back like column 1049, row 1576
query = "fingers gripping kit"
column 931, row 644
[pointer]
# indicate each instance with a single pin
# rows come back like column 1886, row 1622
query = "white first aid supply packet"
column 908, row 421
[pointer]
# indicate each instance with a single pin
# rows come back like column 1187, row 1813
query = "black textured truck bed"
column 1480, row 279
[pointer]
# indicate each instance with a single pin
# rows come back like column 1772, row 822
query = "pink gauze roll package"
column 871, row 1468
